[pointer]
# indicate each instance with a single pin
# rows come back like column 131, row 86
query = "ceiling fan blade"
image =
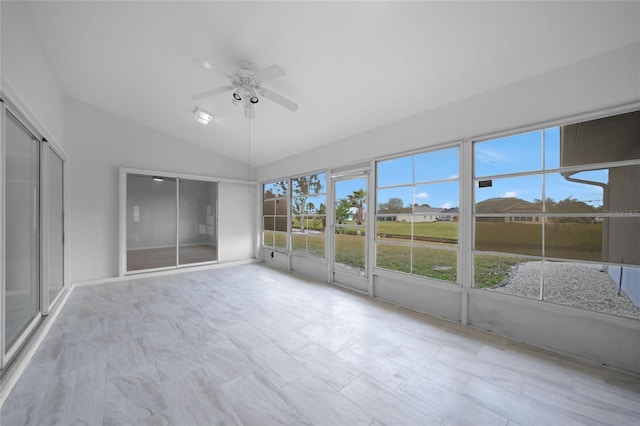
column 274, row 97
column 213, row 92
column 269, row 73
column 203, row 62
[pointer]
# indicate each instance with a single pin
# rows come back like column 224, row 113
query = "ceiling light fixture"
column 202, row 116
column 158, row 179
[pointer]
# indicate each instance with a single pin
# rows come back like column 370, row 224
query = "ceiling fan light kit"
column 202, row 116
column 246, row 84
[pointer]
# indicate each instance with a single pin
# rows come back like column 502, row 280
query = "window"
column 309, row 213
column 557, row 214
column 417, row 214
column 275, row 214
column 295, row 208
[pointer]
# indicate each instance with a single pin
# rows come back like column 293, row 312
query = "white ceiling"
column 351, row 66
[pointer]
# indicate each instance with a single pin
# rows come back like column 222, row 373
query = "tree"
column 342, row 211
column 394, row 205
column 321, row 220
column 357, row 199
column 302, row 188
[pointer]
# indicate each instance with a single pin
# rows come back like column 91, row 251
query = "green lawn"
column 568, row 240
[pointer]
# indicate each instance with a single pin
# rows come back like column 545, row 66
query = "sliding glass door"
column 197, row 241
column 170, row 222
column 32, row 274
column 22, row 230
column 151, row 222
column 54, row 166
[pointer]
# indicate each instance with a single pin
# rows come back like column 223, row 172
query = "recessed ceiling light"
column 202, row 116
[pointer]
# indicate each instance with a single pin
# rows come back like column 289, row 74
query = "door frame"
column 343, row 278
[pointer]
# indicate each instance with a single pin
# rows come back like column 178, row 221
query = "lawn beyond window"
column 417, row 214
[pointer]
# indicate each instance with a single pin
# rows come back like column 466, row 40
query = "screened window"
column 557, row 214
column 294, row 214
column 309, row 213
column 275, row 213
column 417, row 214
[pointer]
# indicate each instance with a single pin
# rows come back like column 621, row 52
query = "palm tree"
column 357, row 199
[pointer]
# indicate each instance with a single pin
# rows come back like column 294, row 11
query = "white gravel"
column 574, row 284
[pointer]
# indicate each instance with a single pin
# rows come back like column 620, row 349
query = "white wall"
column 603, row 82
column 26, row 76
column 98, row 143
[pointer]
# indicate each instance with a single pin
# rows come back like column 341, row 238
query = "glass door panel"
column 198, row 234
column 350, row 232
column 22, row 283
column 55, row 221
column 151, row 222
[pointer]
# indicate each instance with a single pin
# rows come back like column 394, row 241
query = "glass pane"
column 395, row 200
column 275, row 223
column 309, row 185
column 509, row 195
column 433, row 263
column 575, row 192
column 597, row 141
column 312, row 243
column 437, row 165
column 313, row 205
column 512, row 154
column 151, row 222
column 276, row 207
column 22, row 284
column 398, row 171
column 627, row 279
column 389, row 229
column 198, row 236
column 268, row 238
column 621, row 238
column 351, row 204
column 393, row 257
column 518, row 234
column 275, row 189
column 55, row 250
column 280, row 240
column 440, row 232
column 552, row 148
column 438, row 196
column 507, row 274
column 610, row 238
column 574, row 238
column 591, row 286
column 350, row 246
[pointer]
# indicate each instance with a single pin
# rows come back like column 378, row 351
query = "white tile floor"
column 256, row 346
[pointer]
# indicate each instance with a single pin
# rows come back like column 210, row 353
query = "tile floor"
column 256, row 346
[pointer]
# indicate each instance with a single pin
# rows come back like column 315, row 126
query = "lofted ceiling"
column 351, row 66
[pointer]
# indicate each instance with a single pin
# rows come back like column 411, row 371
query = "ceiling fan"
column 246, row 84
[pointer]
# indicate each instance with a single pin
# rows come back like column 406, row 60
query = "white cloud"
column 510, row 194
column 446, row 206
column 453, row 177
column 422, row 195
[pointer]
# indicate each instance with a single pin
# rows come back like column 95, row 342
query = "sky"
column 436, row 174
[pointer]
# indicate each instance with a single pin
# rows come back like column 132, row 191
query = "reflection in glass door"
column 151, row 222
column 170, row 222
column 22, row 231
column 197, row 221
column 55, row 218
column 350, row 232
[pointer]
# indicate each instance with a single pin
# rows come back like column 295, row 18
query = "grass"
column 567, row 240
